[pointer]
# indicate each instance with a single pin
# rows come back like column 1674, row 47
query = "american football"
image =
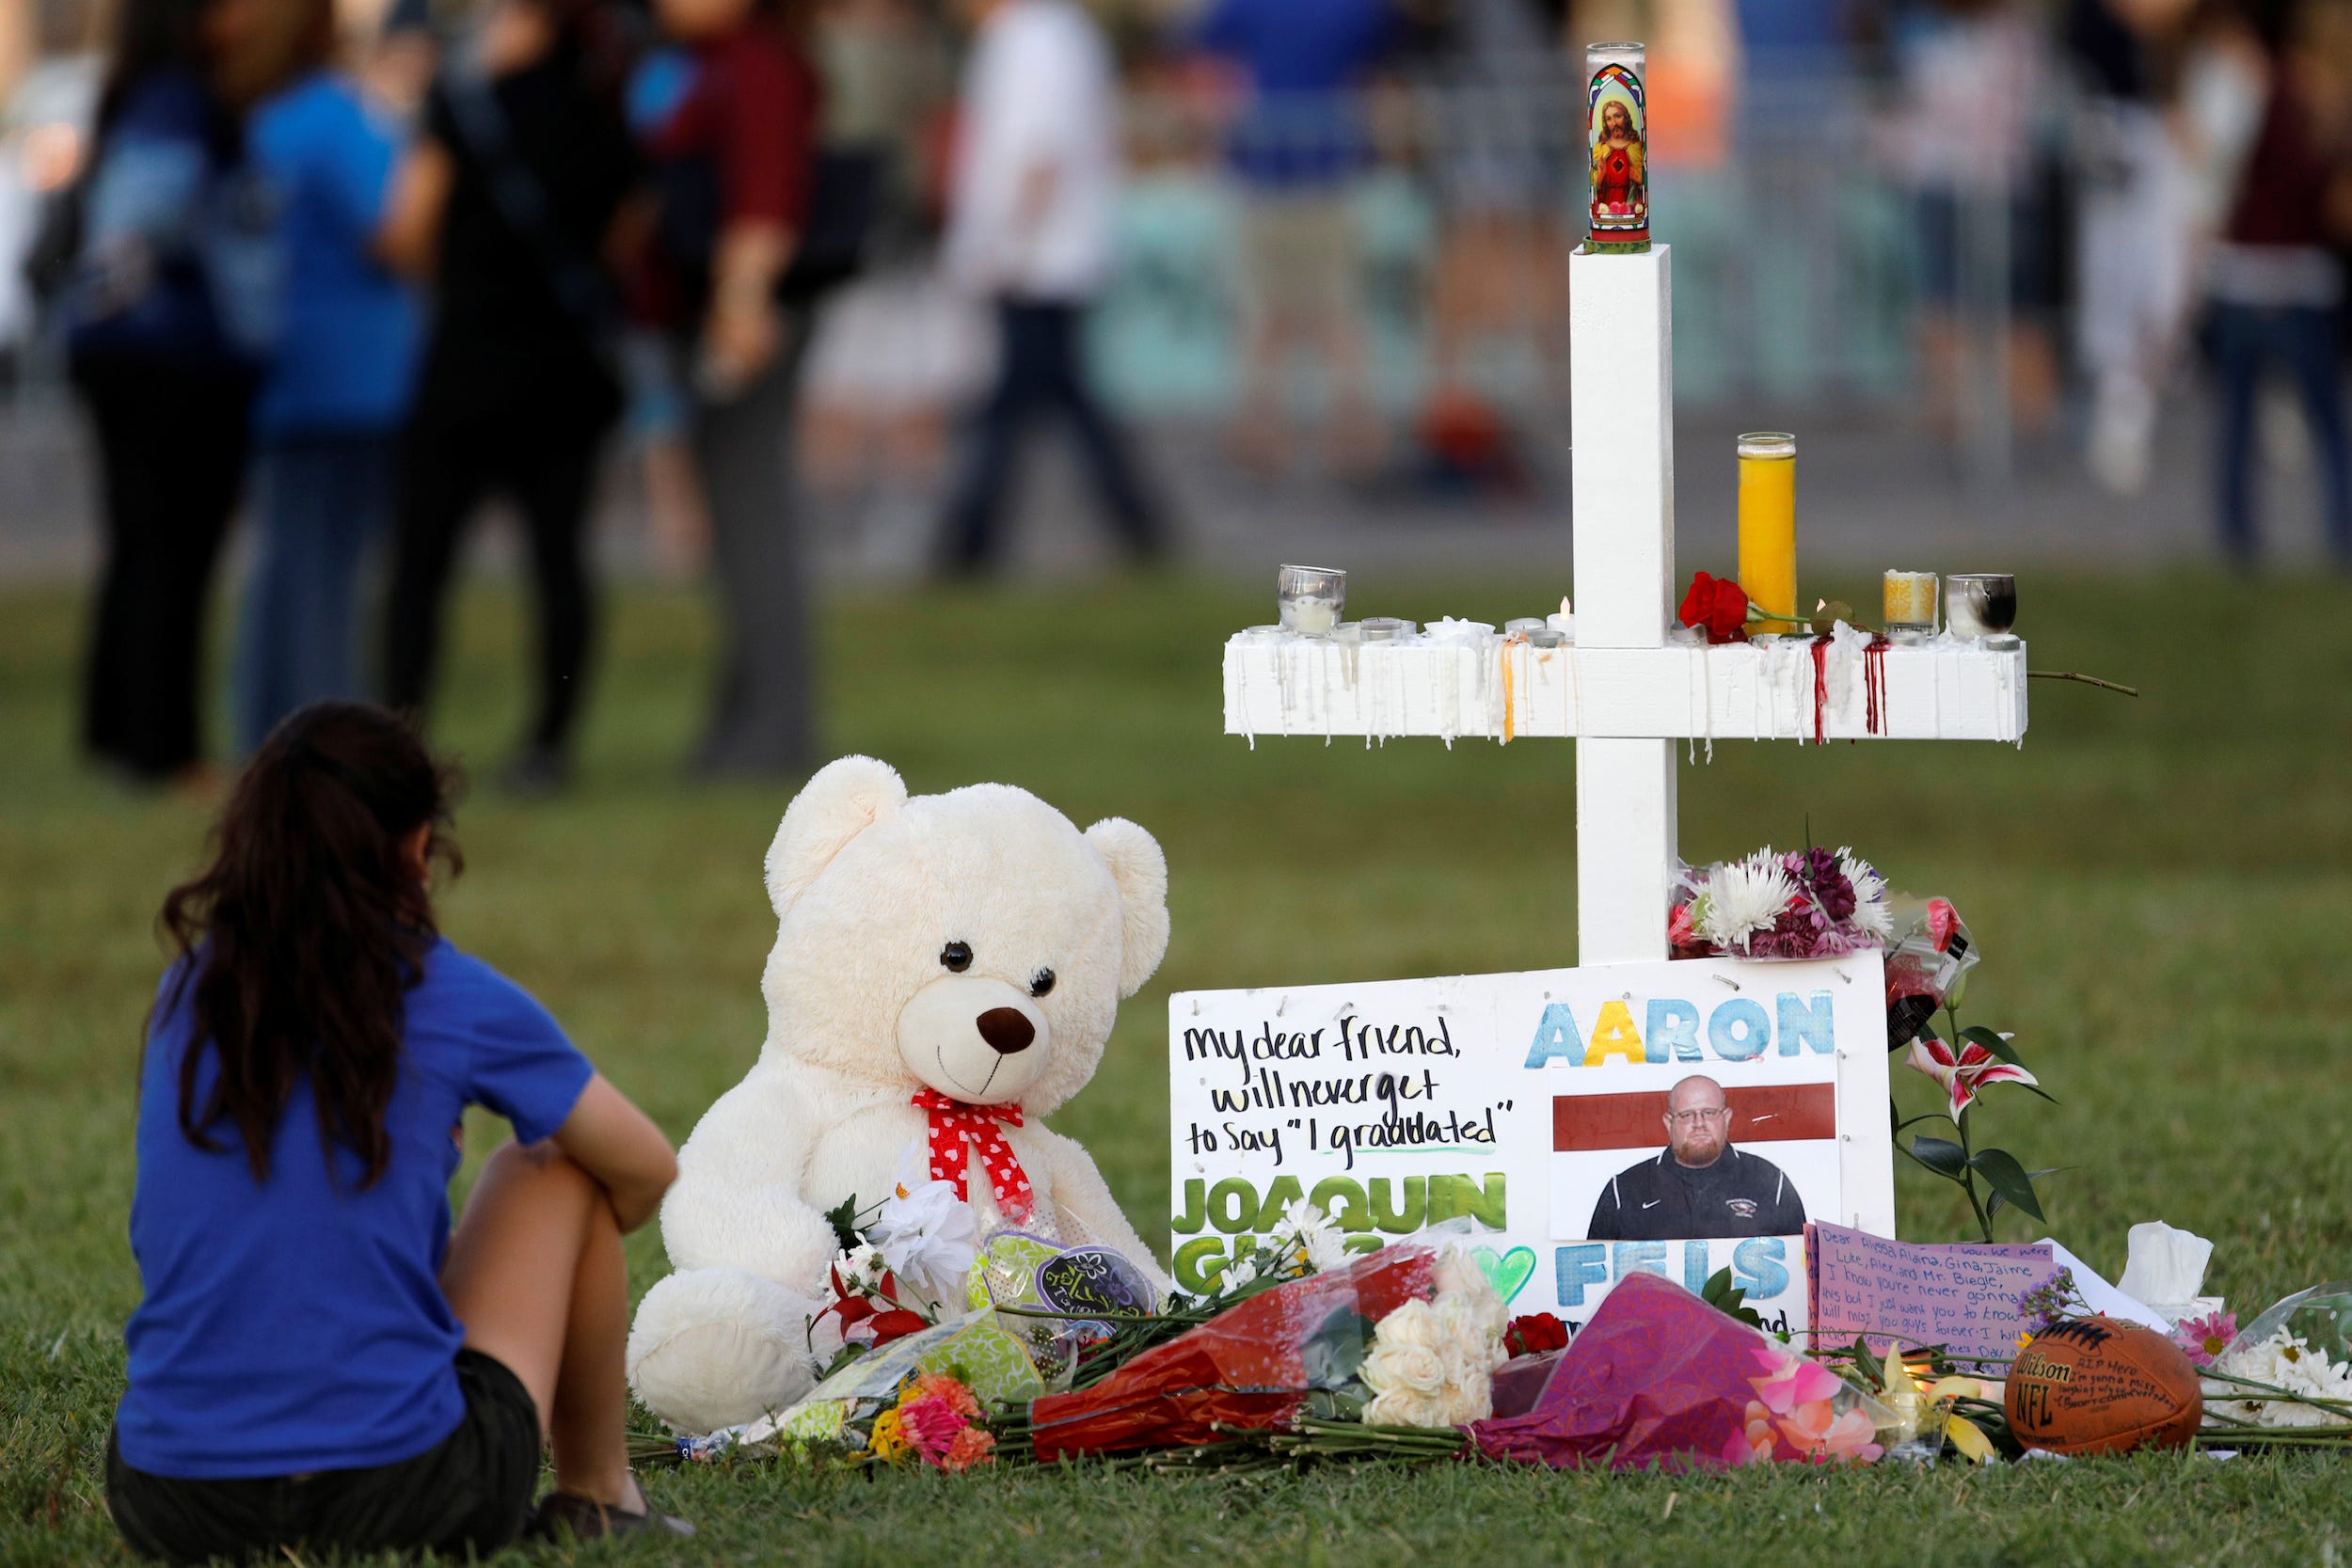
column 2096, row 1386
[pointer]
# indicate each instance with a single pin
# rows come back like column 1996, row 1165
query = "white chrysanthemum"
column 1240, row 1273
column 1742, row 897
column 929, row 1237
column 1869, row 895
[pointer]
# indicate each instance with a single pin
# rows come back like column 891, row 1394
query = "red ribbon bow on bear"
column 955, row 1125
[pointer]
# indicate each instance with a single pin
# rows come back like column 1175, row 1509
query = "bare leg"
column 535, row 1273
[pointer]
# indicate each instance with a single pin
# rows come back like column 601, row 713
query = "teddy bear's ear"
column 1141, row 872
column 843, row 798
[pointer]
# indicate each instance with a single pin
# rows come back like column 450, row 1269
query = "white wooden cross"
column 1626, row 692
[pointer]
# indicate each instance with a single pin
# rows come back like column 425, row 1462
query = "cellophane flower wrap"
column 2302, row 1349
column 855, row 1409
column 1928, row 960
column 1659, row 1378
column 1254, row 1366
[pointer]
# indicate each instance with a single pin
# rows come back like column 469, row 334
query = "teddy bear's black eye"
column 1041, row 982
column 957, row 955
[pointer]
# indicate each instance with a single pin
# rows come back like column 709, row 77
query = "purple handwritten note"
column 1961, row 1297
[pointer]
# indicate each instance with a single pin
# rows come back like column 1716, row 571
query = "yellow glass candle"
column 1768, row 528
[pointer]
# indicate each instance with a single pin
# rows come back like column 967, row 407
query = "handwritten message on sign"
column 1961, row 1297
column 1397, row 1105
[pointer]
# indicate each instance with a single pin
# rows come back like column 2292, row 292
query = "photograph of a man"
column 1699, row 1186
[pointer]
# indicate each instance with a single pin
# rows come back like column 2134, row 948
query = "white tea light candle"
column 1310, row 598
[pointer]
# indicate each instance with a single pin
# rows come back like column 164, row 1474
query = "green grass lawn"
column 2162, row 888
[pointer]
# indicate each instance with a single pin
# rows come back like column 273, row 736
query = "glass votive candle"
column 1385, row 628
column 1981, row 606
column 1544, row 636
column 1768, row 528
column 1523, row 626
column 1310, row 598
column 1909, row 606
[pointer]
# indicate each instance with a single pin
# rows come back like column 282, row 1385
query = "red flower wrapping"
column 1718, row 605
column 1245, row 1368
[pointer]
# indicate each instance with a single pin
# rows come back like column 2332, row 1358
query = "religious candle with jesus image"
column 1616, row 130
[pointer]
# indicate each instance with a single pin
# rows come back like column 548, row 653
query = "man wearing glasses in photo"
column 1700, row 1186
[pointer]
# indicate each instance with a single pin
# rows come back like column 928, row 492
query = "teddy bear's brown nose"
column 1007, row 1030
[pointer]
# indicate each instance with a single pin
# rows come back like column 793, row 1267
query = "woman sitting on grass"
column 319, row 1362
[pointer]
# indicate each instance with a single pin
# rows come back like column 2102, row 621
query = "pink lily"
column 1964, row 1076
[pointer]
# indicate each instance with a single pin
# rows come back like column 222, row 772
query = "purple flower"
column 1817, row 870
column 2045, row 1306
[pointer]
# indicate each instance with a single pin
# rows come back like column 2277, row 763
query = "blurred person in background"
column 153, row 345
column 2132, row 227
column 1037, row 176
column 512, row 199
column 1507, row 111
column 2275, row 282
column 1298, row 147
column 734, row 155
column 893, row 355
column 332, row 406
column 1976, row 88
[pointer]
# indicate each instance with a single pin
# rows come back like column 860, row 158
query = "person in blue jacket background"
column 337, row 389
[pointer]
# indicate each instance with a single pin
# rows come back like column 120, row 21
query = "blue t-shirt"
column 348, row 329
column 300, row 1325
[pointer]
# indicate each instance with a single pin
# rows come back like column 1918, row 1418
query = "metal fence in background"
column 1803, row 265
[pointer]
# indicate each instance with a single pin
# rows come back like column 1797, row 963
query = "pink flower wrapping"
column 1659, row 1378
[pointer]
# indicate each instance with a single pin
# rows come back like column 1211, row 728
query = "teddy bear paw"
column 715, row 1348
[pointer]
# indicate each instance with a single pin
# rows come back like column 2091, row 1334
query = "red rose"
column 1717, row 605
column 1534, row 1334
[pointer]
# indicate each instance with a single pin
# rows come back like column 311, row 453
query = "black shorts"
column 469, row 1491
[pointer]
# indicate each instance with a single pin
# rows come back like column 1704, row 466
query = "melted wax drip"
column 1874, row 686
column 1820, row 684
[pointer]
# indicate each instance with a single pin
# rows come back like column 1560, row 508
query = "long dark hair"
column 152, row 36
column 298, row 942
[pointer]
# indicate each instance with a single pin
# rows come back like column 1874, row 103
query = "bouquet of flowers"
column 1407, row 1337
column 2283, row 1380
column 1806, row 904
column 1661, row 1378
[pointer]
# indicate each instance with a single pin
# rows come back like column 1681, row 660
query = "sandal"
column 561, row 1513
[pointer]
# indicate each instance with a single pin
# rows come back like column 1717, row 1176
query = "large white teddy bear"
column 966, row 950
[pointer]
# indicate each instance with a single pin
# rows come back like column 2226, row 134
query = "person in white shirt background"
column 1036, row 179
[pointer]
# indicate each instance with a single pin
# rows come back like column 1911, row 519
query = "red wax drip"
column 1821, row 685
column 1874, row 686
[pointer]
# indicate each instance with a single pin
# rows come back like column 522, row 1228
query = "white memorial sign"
column 1536, row 1107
